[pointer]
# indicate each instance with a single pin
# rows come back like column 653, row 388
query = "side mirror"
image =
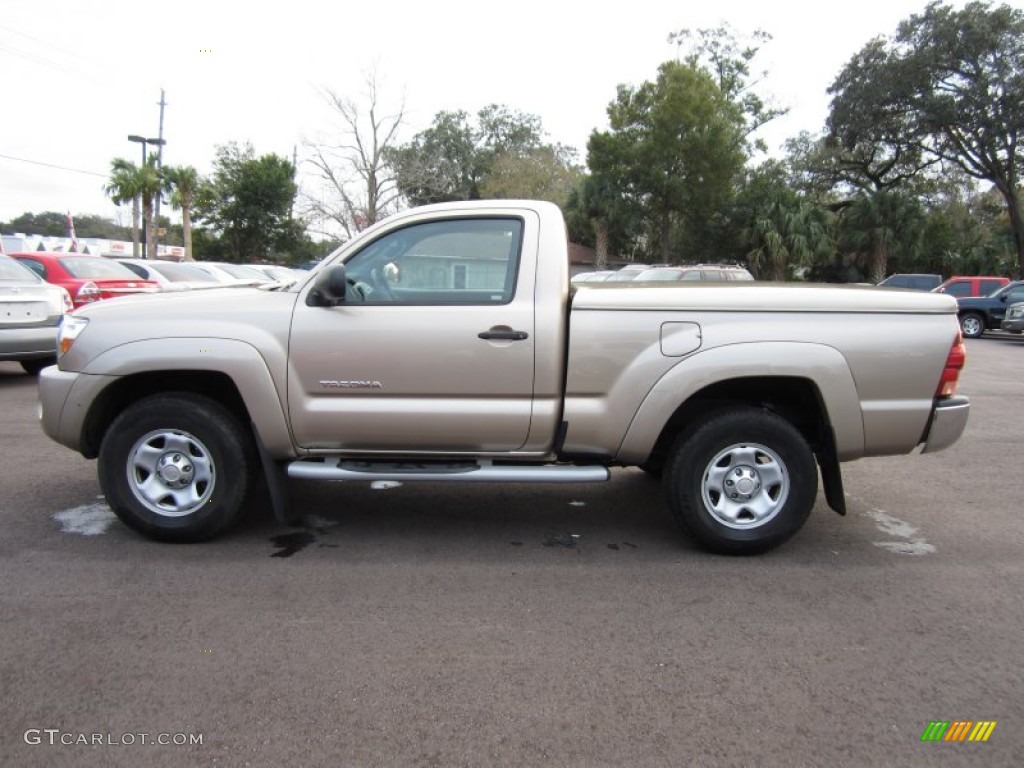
column 329, row 288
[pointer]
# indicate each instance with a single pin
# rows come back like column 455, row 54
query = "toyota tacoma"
column 445, row 344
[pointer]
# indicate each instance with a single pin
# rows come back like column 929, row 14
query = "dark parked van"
column 914, row 282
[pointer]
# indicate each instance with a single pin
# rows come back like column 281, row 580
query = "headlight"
column 1016, row 311
column 71, row 328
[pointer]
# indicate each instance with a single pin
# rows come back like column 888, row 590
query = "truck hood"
column 255, row 317
column 977, row 302
column 760, row 297
column 207, row 304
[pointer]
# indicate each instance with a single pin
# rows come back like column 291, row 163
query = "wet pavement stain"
column 290, row 543
column 567, row 540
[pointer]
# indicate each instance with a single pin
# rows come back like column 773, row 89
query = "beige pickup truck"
column 445, row 344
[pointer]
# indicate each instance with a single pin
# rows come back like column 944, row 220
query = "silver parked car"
column 1013, row 321
column 30, row 313
column 694, row 272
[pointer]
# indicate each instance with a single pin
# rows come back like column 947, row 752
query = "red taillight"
column 88, row 292
column 951, row 372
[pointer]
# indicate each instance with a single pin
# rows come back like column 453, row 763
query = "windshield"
column 660, row 273
column 91, row 267
column 183, row 273
column 243, row 272
column 12, row 270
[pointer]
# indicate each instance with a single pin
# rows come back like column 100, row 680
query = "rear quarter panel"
column 876, row 362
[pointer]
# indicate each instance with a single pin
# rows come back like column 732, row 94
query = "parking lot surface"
column 431, row 625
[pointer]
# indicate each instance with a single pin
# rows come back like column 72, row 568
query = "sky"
column 79, row 77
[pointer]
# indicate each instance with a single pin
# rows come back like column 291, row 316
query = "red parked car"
column 86, row 278
column 977, row 285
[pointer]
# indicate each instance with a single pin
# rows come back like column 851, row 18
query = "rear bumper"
column 949, row 418
column 27, row 343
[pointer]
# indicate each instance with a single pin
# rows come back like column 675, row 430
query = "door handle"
column 504, row 335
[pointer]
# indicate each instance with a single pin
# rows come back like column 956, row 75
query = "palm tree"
column 150, row 185
column 124, row 186
column 183, row 181
column 788, row 231
column 880, row 225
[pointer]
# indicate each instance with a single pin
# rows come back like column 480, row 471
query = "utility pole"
column 159, row 167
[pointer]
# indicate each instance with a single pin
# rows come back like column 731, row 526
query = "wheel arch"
column 127, row 390
column 796, row 399
column 811, row 384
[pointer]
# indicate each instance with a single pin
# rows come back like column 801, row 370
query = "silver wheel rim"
column 745, row 486
column 171, row 472
column 972, row 326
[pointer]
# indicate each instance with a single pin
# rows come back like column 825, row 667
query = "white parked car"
column 172, row 275
column 31, row 310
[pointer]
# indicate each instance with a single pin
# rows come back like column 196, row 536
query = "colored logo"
column 958, row 730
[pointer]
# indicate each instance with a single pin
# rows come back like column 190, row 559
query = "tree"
column 150, row 184
column 54, row 224
column 597, row 214
column 184, row 184
column 124, row 186
column 502, row 151
column 881, row 225
column 674, row 149
column 718, row 51
column 542, row 173
column 439, row 164
column 248, row 201
column 355, row 167
column 947, row 85
column 782, row 228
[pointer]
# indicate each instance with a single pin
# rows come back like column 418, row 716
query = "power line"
column 58, row 167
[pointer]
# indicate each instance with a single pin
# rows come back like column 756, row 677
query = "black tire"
column 757, row 457
column 972, row 325
column 176, row 467
column 36, row 364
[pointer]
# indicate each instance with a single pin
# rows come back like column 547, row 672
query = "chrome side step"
column 450, row 472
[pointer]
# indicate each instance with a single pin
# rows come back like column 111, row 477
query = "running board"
column 446, row 472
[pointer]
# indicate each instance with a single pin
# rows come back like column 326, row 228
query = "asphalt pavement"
column 432, row 625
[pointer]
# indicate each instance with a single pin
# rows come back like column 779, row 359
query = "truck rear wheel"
column 743, row 481
column 176, row 467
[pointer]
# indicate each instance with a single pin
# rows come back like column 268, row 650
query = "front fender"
column 823, row 365
column 240, row 361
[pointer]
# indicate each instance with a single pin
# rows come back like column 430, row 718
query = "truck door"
column 433, row 347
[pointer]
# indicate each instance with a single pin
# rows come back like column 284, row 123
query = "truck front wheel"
column 742, row 481
column 176, row 467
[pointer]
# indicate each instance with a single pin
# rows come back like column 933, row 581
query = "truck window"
column 459, row 261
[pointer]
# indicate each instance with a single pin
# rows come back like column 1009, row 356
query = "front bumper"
column 1014, row 326
column 64, row 400
column 949, row 418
